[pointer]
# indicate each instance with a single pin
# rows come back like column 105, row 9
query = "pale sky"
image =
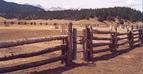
column 136, row 4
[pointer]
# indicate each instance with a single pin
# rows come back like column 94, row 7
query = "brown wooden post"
column 74, row 43
column 142, row 31
column 64, row 51
column 87, row 44
column 131, row 39
column 62, row 27
column 132, row 28
column 113, row 46
column 70, row 47
column 91, row 43
column 141, row 35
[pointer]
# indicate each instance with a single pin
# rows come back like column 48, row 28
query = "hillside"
column 12, row 10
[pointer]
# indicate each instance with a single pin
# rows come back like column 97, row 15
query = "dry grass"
column 127, row 62
column 13, row 34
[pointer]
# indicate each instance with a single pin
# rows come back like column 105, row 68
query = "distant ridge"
column 10, row 9
column 56, row 9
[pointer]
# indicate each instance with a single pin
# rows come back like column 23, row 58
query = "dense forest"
column 102, row 14
column 13, row 10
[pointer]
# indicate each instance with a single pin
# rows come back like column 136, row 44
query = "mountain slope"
column 13, row 7
column 10, row 10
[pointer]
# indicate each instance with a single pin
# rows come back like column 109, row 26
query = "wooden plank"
column 99, row 38
column 31, row 64
column 120, row 34
column 31, row 54
column 123, row 43
column 123, row 38
column 101, row 50
column 135, row 34
column 13, row 43
column 136, row 41
column 135, row 37
column 102, row 32
column 135, row 30
column 100, row 44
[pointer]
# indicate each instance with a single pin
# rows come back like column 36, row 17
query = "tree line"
column 78, row 14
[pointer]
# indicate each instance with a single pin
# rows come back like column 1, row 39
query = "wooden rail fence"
column 68, row 50
column 69, row 47
column 132, row 37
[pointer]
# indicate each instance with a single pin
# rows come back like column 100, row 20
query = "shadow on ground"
column 62, row 69
column 59, row 70
column 113, row 55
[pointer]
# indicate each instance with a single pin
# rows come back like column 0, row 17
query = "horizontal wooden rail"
column 102, row 32
column 80, row 36
column 123, row 38
column 123, row 43
column 136, row 41
column 120, row 34
column 31, row 64
column 100, row 44
column 30, row 41
column 99, row 38
column 101, row 50
column 135, row 30
column 36, row 53
column 80, row 42
column 135, row 37
column 136, row 34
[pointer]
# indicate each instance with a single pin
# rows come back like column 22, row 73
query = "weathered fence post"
column 69, row 45
column 64, row 51
column 114, row 41
column 64, row 41
column 87, row 44
column 74, row 43
column 131, row 39
column 141, row 35
column 113, row 46
column 84, row 41
column 91, row 43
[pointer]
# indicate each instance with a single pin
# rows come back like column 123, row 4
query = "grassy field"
column 13, row 34
column 20, row 32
